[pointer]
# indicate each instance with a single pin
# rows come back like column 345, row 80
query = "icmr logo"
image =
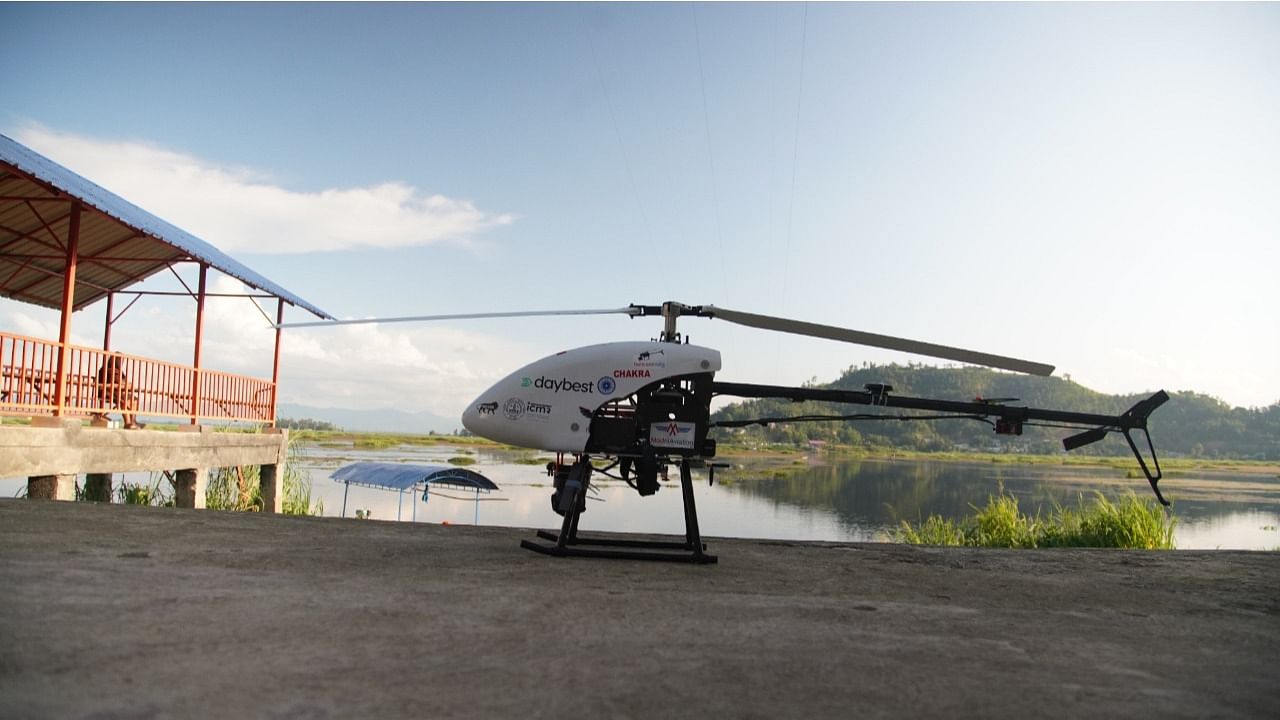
column 606, row 385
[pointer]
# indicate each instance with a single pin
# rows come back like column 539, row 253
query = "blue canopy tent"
column 402, row 478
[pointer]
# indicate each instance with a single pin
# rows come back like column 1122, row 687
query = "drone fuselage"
column 622, row 398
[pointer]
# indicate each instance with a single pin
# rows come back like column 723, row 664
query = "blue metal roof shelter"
column 403, row 477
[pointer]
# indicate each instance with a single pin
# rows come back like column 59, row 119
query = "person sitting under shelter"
column 114, row 391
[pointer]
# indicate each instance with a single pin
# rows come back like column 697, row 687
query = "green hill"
column 1190, row 424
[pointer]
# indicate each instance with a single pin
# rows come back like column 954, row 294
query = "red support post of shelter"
column 195, row 378
column 275, row 362
column 68, row 305
column 106, row 325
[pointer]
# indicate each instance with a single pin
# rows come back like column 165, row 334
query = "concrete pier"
column 271, row 488
column 97, row 487
column 189, row 486
column 128, row 611
column 54, row 453
column 52, row 487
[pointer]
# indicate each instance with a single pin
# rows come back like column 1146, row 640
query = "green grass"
column 462, row 460
column 234, row 488
column 376, row 442
column 1130, row 522
column 531, row 460
column 385, row 440
column 144, row 493
column 239, row 488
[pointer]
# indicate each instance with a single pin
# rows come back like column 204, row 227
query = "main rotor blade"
column 797, row 327
column 463, row 316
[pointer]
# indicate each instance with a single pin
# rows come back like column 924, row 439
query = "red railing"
column 28, row 385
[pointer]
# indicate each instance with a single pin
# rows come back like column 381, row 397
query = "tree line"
column 1190, row 424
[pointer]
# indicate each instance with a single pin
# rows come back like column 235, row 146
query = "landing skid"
column 569, row 544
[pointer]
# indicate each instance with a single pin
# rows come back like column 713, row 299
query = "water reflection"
column 870, row 497
column 853, row 500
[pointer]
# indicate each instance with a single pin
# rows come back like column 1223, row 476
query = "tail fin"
column 1135, row 418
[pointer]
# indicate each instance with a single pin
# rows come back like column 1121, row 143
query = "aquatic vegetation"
column 234, row 488
column 144, row 493
column 936, row 530
column 531, row 460
column 1001, row 524
column 239, row 488
column 1130, row 522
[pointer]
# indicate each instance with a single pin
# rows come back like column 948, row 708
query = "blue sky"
column 1089, row 185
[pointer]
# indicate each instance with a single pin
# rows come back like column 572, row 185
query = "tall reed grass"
column 1130, row 522
column 234, row 488
column 239, row 488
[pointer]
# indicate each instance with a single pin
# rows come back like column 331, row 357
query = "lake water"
column 848, row 500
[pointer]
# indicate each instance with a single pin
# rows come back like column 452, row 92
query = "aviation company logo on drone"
column 565, row 385
column 672, row 435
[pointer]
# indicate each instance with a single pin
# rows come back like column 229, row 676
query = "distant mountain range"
column 420, row 423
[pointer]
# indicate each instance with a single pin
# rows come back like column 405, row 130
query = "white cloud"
column 434, row 368
column 425, row 367
column 238, row 210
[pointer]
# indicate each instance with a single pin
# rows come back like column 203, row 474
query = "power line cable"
column 795, row 151
column 791, row 202
column 626, row 160
column 706, row 123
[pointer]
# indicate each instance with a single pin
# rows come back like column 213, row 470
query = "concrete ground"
column 129, row 612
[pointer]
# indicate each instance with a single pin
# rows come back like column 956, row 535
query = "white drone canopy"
column 672, row 310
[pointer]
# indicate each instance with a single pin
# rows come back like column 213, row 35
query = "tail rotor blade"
column 797, row 327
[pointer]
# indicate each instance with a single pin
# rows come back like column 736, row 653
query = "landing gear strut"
column 569, row 543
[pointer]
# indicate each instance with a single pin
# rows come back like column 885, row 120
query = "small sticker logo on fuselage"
column 672, row 435
column 641, row 373
column 513, row 408
column 646, row 359
column 537, row 411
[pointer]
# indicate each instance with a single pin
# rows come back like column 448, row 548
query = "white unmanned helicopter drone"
column 647, row 405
